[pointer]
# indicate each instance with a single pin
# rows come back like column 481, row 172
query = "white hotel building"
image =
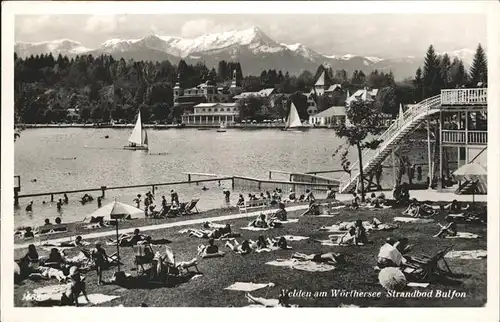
column 212, row 114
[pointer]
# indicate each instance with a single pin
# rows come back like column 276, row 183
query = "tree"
column 386, row 101
column 431, row 75
column 444, row 72
column 305, row 81
column 458, row 75
column 479, row 69
column 419, row 84
column 366, row 122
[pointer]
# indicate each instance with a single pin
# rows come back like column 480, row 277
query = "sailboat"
column 222, row 127
column 293, row 122
column 139, row 137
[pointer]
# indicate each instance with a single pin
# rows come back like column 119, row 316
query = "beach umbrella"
column 391, row 278
column 472, row 172
column 118, row 209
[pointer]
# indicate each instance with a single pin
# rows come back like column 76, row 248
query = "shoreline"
column 165, row 126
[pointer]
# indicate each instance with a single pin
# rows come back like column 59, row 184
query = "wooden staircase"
column 412, row 118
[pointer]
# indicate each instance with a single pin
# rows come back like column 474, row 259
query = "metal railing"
column 464, row 96
column 465, row 137
column 409, row 116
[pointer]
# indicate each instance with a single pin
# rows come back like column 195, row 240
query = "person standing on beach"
column 59, row 205
column 174, row 197
column 100, row 259
column 66, row 199
column 227, row 195
column 411, row 173
column 99, row 202
column 137, row 201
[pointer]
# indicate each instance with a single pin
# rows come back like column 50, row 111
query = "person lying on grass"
column 223, row 231
column 149, row 240
column 360, row 233
column 448, row 230
column 70, row 297
column 391, row 253
column 75, row 243
column 129, row 240
column 348, row 238
column 278, row 243
column 313, row 209
column 282, row 300
column 417, row 209
column 243, row 248
column 263, row 222
column 355, row 201
column 325, row 258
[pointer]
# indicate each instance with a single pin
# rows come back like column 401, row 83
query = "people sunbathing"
column 447, row 230
column 402, row 194
column 282, row 300
column 29, row 261
column 129, row 240
column 360, row 233
column 243, row 248
column 313, row 209
column 325, row 258
column 277, row 242
column 75, row 243
column 55, row 259
column 281, row 214
column 348, row 238
column 330, row 194
column 417, row 209
column 309, row 196
column 391, row 253
column 354, row 201
column 241, row 201
column 291, row 195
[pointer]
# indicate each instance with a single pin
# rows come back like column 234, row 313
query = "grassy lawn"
column 218, row 273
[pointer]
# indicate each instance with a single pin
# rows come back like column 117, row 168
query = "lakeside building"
column 212, row 114
column 207, row 92
column 365, row 94
column 333, row 116
column 323, row 86
column 266, row 92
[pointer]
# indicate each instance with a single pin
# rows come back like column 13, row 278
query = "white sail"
column 144, row 137
column 293, row 118
column 136, row 136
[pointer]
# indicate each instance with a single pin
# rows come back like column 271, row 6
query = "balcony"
column 465, row 137
column 464, row 96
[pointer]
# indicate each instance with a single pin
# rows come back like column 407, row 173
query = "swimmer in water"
column 204, row 188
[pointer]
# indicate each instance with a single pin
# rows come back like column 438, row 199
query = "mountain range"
column 251, row 47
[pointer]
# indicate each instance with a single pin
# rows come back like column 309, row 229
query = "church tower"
column 234, row 89
column 177, row 88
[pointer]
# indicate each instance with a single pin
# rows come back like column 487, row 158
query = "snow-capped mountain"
column 465, row 54
column 60, row 46
column 251, row 47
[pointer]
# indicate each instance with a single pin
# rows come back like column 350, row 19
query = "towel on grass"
column 414, row 284
column 308, row 266
column 247, row 286
column 338, row 207
column 270, row 249
column 334, row 214
column 255, row 228
column 414, row 220
column 294, row 238
column 289, row 221
column 467, row 254
column 54, row 293
column 464, row 235
column 329, row 242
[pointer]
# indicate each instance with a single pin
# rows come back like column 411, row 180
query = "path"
column 162, row 226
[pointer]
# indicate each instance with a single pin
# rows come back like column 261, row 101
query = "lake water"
column 75, row 158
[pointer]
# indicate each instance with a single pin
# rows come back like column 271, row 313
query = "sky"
column 383, row 35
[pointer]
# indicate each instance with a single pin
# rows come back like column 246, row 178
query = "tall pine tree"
column 419, row 83
column 445, row 70
column 479, row 69
column 431, row 75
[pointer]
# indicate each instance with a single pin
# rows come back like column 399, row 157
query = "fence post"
column 270, row 172
column 189, row 177
column 232, row 183
column 51, row 197
column 153, row 189
column 103, row 191
column 16, row 197
column 259, row 185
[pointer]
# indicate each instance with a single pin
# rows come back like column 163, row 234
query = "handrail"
column 408, row 117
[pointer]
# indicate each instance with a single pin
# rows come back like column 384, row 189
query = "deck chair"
column 113, row 259
column 174, row 212
column 425, row 267
column 190, row 207
column 163, row 212
column 144, row 254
